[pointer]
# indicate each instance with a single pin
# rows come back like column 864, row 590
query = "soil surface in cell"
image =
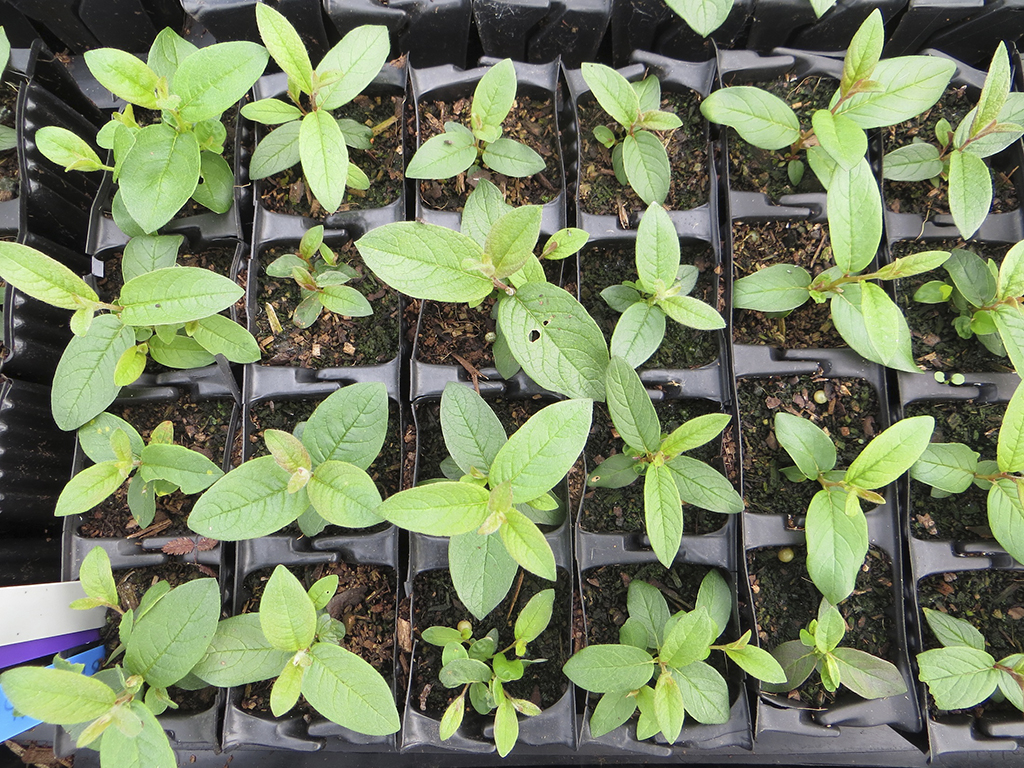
column 846, row 409
column 785, row 601
column 804, row 243
column 531, row 122
column 601, row 193
column 682, row 347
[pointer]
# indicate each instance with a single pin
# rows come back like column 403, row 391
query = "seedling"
column 953, row 467
column 818, row 649
column 483, row 671
column 705, row 16
column 459, row 148
column 295, row 639
column 673, row 648
column 871, row 94
column 638, row 157
column 987, row 299
column 863, row 314
column 316, row 476
column 669, row 477
column 962, row 674
column 836, row 528
column 115, row 710
column 662, row 289
column 160, row 166
column 503, row 486
column 494, row 253
column 170, row 312
column 118, row 451
column 316, row 271
column 957, row 158
column 307, row 132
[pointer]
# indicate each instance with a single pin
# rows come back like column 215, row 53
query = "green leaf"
column 287, row 615
column 1009, row 319
column 167, row 53
column 668, row 706
column 609, row 668
column 691, row 312
column 891, row 453
column 703, row 486
column 443, row 156
column 130, row 366
column 993, row 94
column 705, row 693
column 506, row 727
column 757, row 662
column 868, row 676
column 461, row 671
column 663, row 515
column 535, row 616
column 285, row 46
column 958, row 677
column 527, row 545
column 854, row 216
column 1006, row 517
column 350, row 425
column 690, row 639
column 159, row 175
column 657, row 250
column 348, row 691
column 322, row 591
column 512, row 158
column 344, row 495
column 620, row 297
column 149, row 748
column 822, row 164
column 836, row 544
column 909, row 85
column 250, row 501
column 808, row 446
column 647, row 167
column 1010, row 449
column 972, row 277
column 970, row 192
column 512, row 235
column 212, row 79
column 43, row 278
column 359, row 57
column 83, row 384
column 1010, row 283
column 864, row 51
column 97, row 578
column 271, row 111
column 914, row 264
column 778, row 288
column 148, row 253
column 240, row 654
column 702, row 16
column 124, row 75
column 482, row 570
column 452, row 718
column 933, row 292
column 176, row 295
column 322, row 151
column 61, row 146
column 952, row 632
column 885, row 338
column 638, row 333
column 286, row 689
column 558, row 344
column 169, row 639
column 221, row 335
column 472, row 432
column 189, row 470
column 830, row 628
column 345, row 300
column 216, row 189
column 821, row 6
column 647, row 606
column 493, row 98
column 914, row 162
column 950, row 467
column 278, row 151
column 425, row 261
column 759, row 117
column 613, row 92
column 484, row 206
column 842, row 138
column 613, row 710
column 180, row 352
column 630, row 407
column 438, row 509
column 797, row 661
column 647, row 725
column 564, row 243
column 716, row 597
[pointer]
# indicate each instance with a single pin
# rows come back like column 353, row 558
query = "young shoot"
column 499, row 489
column 307, row 133
column 482, row 671
column 957, row 157
column 670, row 478
column 836, row 528
column 119, row 453
column 460, row 148
column 671, row 648
column 315, row 269
column 818, row 649
column 639, row 158
column 661, row 289
column 295, row 640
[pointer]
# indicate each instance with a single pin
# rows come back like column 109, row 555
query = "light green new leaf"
column 443, row 156
column 348, row 691
column 61, row 146
column 1009, row 319
column 506, row 727
column 148, row 253
column 94, row 437
column 278, row 151
column 176, row 295
column 285, row 46
column 472, row 432
column 1010, row 448
column 631, row 408
column 691, row 312
column 914, row 162
column 1006, row 517
column 758, row 662
column 778, row 288
column 555, row 340
column 759, row 117
column 124, row 75
column 189, row 470
column 1011, row 273
column 842, row 138
column 240, row 654
column 535, row 616
column 821, row 6
column 970, row 192
column 323, row 151
column 854, row 216
column 694, row 433
column 287, row 615
column 358, row 57
column 271, row 111
column 951, row 631
column 891, row 453
column 715, row 596
column 909, row 86
column 438, row 509
column 836, row 544
column 663, row 514
column 149, row 748
column 344, row 495
column 703, row 486
column 56, row 695
column 864, row 51
column 668, row 706
column 914, row 264
column 613, row 92
column 702, row 16
column 657, row 249
column 350, row 425
column 958, row 677
column 425, row 261
column 484, row 207
column 993, row 95
column 97, row 578
column 83, row 384
column 950, row 467
column 212, row 79
column 43, row 278
column 286, row 689
column 645, row 161
column 610, row 668
column 647, row 606
column 493, row 97
column 168, row 51
column 482, row 570
column 159, row 175
column 885, row 338
column 527, row 545
column 512, row 235
column 689, row 639
column 638, row 333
